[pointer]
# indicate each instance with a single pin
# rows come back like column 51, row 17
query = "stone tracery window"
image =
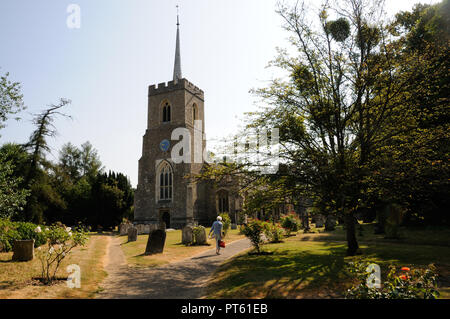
column 165, row 182
column 223, row 201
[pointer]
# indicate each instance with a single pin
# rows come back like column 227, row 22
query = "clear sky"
column 106, row 65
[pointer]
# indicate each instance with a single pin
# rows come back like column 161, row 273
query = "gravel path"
column 185, row 279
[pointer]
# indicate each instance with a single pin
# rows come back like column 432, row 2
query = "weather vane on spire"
column 178, row 20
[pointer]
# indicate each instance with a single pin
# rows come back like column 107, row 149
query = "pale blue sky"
column 105, row 67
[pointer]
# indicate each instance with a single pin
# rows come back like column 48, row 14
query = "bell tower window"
column 166, row 116
column 194, row 113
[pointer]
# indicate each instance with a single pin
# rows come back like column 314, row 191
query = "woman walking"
column 216, row 229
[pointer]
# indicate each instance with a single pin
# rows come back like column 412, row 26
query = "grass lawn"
column 16, row 278
column 174, row 250
column 306, row 266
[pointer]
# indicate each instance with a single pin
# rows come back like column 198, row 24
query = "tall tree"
column 12, row 197
column 38, row 145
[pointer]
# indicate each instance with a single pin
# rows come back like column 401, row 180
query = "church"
column 166, row 191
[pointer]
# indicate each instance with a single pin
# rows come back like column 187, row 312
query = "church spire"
column 177, row 67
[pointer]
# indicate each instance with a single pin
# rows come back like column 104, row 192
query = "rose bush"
column 400, row 284
column 60, row 240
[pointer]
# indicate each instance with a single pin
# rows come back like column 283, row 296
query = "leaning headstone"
column 200, row 235
column 132, row 234
column 156, row 241
column 187, row 235
column 23, row 250
column 330, row 223
column 233, row 226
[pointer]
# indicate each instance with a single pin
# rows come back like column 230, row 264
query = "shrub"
column 11, row 231
column 226, row 221
column 274, row 233
column 8, row 234
column 253, row 231
column 60, row 242
column 197, row 231
column 290, row 223
column 27, row 231
column 400, row 284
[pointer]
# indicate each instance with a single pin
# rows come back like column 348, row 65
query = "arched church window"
column 165, row 182
column 223, row 202
column 166, row 116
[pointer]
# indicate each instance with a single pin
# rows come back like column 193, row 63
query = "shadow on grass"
column 312, row 269
column 281, row 275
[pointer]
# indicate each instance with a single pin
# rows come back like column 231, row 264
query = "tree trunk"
column 352, row 243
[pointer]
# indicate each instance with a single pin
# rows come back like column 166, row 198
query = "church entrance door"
column 165, row 217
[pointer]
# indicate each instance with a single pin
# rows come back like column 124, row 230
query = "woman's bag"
column 222, row 243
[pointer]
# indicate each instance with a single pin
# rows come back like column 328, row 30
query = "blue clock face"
column 164, row 145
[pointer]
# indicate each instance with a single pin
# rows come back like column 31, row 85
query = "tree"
column 11, row 99
column 412, row 168
column 38, row 146
column 12, row 197
column 338, row 104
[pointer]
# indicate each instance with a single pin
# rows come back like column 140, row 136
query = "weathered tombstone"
column 156, row 241
column 200, row 235
column 132, row 234
column 123, row 228
column 330, row 223
column 319, row 221
column 187, row 235
column 233, row 226
column 23, row 250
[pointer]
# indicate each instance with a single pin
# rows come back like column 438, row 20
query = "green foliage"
column 12, row 197
column 11, row 99
column 197, row 232
column 226, row 221
column 254, row 231
column 274, row 233
column 27, row 231
column 8, row 234
column 339, row 29
column 290, row 223
column 400, row 284
column 11, row 231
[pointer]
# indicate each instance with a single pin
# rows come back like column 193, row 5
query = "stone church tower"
column 164, row 194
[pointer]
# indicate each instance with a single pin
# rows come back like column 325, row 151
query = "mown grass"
column 16, row 278
column 430, row 235
column 302, row 267
column 174, row 250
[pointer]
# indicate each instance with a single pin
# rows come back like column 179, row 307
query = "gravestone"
column 200, row 235
column 162, row 226
column 123, row 228
column 319, row 221
column 156, row 241
column 23, row 250
column 132, row 234
column 330, row 223
column 233, row 226
column 187, row 235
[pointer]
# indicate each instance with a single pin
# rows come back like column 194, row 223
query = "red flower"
column 403, row 277
column 405, row 269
